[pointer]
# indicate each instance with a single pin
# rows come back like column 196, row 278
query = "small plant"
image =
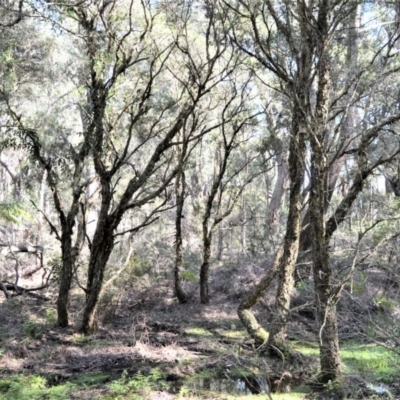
column 189, row 276
column 93, row 379
column 140, row 266
column 32, row 329
column 78, row 338
column 183, row 392
column 384, row 302
column 135, row 386
column 51, row 316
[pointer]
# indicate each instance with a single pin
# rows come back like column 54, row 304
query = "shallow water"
column 240, row 386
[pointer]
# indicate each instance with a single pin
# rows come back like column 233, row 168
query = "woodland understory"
column 199, row 199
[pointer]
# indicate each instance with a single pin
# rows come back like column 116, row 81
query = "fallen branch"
column 6, row 287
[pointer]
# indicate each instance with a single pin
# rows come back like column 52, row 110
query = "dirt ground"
column 141, row 331
column 136, row 333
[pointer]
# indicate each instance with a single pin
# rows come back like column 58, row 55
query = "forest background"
column 197, row 154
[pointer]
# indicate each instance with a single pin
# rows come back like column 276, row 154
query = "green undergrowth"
column 90, row 380
column 186, row 393
column 373, row 363
column 22, row 387
column 138, row 386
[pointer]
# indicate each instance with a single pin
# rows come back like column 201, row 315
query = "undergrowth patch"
column 22, row 387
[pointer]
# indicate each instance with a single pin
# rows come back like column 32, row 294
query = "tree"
column 302, row 38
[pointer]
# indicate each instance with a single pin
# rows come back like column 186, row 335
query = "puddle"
column 240, row 386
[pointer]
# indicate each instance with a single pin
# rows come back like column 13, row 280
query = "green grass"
column 308, row 349
column 198, row 332
column 374, row 363
column 232, row 334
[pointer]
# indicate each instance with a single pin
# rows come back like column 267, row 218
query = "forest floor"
column 150, row 347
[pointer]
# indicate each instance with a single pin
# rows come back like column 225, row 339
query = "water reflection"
column 241, row 386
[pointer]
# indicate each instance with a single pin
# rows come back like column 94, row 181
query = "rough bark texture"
column 277, row 338
column 297, row 154
column 102, row 246
column 220, row 165
column 306, row 234
column 65, row 281
column 180, row 198
column 205, row 266
column 346, row 132
column 325, row 297
column 278, row 195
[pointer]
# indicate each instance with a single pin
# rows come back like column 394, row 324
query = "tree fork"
column 249, row 321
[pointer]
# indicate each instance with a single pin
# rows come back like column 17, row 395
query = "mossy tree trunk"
column 325, row 295
column 246, row 315
column 300, row 95
column 277, row 337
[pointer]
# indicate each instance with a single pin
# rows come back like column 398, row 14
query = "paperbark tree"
column 34, row 139
column 200, row 74
column 298, row 84
column 140, row 92
column 236, row 116
column 180, row 187
column 307, row 32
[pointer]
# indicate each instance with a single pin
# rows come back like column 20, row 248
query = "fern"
column 138, row 383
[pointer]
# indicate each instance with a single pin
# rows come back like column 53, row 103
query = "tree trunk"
column 278, row 195
column 296, row 163
column 325, row 296
column 220, row 245
column 204, row 291
column 102, row 246
column 180, row 198
column 322, row 271
column 346, row 131
column 65, row 279
column 243, row 225
column 277, row 337
column 69, row 256
column 249, row 321
column 285, row 257
column 334, row 172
